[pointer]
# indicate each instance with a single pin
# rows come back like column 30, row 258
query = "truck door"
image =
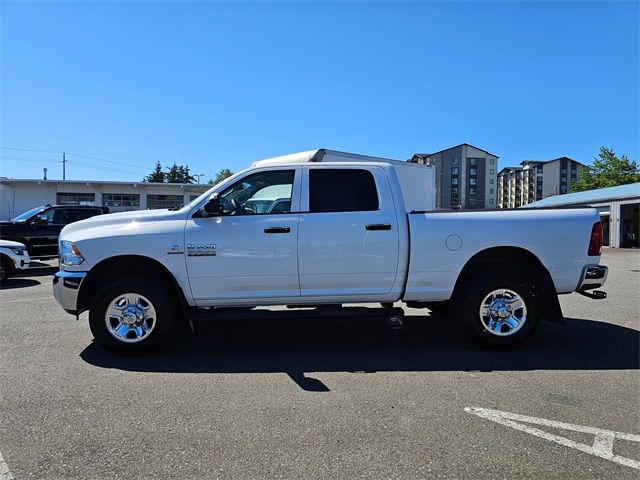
column 348, row 240
column 246, row 253
column 44, row 237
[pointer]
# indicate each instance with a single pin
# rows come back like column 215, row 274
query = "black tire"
column 145, row 291
column 503, row 335
column 7, row 270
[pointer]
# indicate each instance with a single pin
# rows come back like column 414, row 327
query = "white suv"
column 13, row 256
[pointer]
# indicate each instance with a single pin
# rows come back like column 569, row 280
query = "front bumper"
column 66, row 286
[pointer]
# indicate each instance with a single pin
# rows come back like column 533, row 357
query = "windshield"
column 26, row 215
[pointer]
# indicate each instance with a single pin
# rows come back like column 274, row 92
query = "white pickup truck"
column 347, row 229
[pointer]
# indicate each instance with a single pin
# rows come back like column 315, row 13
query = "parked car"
column 40, row 227
column 359, row 230
column 13, row 256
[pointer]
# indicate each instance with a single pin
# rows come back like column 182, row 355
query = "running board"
column 206, row 315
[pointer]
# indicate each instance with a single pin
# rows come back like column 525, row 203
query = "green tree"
column 220, row 176
column 157, row 176
column 179, row 174
column 608, row 170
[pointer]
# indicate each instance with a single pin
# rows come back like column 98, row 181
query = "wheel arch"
column 134, row 265
column 518, row 260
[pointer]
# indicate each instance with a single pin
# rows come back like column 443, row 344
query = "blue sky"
column 218, row 85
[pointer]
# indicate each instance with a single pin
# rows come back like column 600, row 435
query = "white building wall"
column 17, row 196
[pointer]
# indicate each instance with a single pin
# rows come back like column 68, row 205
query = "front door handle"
column 277, row 230
column 378, row 226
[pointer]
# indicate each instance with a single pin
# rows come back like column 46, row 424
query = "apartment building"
column 465, row 176
column 535, row 180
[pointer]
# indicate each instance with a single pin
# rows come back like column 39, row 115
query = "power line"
column 96, row 167
column 29, row 159
column 29, row 150
column 76, row 155
column 107, row 161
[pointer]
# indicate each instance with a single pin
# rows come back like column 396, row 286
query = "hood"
column 119, row 220
column 10, row 244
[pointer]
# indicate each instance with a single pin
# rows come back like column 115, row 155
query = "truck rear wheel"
column 131, row 315
column 500, row 310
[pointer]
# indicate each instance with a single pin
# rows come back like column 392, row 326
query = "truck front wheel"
column 500, row 310
column 131, row 315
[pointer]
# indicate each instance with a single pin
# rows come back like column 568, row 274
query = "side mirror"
column 39, row 222
column 212, row 207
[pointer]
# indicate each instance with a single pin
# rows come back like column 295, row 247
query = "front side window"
column 259, row 194
column 342, row 190
column 48, row 215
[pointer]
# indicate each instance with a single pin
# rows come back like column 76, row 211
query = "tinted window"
column 60, row 216
column 77, row 214
column 341, row 190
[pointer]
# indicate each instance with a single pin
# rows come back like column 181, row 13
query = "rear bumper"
column 593, row 276
column 66, row 286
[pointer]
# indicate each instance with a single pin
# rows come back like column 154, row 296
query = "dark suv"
column 40, row 227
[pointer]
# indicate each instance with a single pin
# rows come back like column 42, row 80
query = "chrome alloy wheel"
column 503, row 312
column 130, row 318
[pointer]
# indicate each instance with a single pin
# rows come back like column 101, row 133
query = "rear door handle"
column 378, row 226
column 277, row 230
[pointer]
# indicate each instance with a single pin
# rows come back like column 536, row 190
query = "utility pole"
column 64, row 166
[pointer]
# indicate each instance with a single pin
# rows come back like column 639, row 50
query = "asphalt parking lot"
column 323, row 399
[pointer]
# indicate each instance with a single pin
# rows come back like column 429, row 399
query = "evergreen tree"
column 157, row 176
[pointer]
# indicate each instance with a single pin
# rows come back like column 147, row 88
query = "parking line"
column 5, row 474
column 602, row 445
column 2, row 302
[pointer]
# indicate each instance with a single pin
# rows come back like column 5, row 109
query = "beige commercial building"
column 20, row 195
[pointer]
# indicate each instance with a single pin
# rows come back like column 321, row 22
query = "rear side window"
column 78, row 214
column 342, row 190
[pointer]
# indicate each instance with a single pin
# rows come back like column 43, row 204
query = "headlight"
column 17, row 251
column 69, row 253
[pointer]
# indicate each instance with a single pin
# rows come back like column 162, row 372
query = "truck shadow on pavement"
column 17, row 282
column 367, row 345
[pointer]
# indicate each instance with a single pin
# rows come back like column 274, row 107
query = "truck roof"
column 326, row 155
